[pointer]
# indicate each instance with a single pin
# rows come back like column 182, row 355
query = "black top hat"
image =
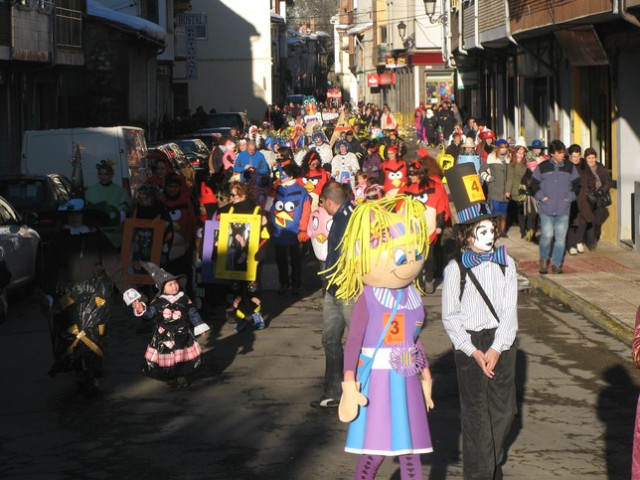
column 161, row 277
column 466, row 193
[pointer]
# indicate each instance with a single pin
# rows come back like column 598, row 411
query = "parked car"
column 19, row 247
column 222, row 122
column 195, row 150
column 38, row 195
column 171, row 153
column 209, row 139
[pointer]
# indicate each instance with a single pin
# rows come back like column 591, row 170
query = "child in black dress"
column 173, row 353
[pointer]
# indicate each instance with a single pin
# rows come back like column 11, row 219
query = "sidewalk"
column 603, row 285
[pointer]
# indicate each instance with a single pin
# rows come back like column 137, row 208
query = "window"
column 383, row 34
column 62, row 190
column 7, row 213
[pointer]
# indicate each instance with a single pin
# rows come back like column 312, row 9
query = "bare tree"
column 320, row 11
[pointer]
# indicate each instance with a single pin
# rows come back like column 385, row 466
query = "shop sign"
column 387, row 78
column 373, row 80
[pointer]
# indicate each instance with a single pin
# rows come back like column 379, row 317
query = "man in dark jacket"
column 556, row 183
column 446, row 120
column 336, row 313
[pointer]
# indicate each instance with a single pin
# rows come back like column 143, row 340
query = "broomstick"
column 77, row 178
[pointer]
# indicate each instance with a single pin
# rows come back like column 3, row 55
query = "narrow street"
column 248, row 415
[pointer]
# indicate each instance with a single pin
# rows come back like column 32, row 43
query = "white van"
column 51, row 151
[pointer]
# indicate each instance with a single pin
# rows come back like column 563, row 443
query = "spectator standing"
column 603, row 185
column 430, row 123
column 515, row 192
column 486, row 145
column 418, row 117
column 470, row 129
column 446, row 119
column 556, row 184
column 455, row 146
column 581, row 213
column 494, row 174
column 387, row 119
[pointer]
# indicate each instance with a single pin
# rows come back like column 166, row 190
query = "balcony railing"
column 68, row 28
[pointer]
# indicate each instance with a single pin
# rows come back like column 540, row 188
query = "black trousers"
column 289, row 256
column 487, row 407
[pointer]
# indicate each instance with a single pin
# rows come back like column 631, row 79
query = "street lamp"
column 402, row 29
column 430, row 9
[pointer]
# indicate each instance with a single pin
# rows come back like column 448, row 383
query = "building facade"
column 557, row 70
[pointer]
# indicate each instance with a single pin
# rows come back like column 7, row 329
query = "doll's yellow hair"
column 369, row 233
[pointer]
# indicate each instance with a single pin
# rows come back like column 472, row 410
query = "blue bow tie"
column 472, row 259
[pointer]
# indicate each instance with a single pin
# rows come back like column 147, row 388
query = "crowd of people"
column 305, row 176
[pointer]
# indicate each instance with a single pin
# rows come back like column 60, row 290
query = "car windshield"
column 222, row 120
column 23, row 193
column 187, row 146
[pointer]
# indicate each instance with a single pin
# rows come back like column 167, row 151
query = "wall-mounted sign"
column 373, row 80
column 395, row 62
column 191, row 19
column 387, row 78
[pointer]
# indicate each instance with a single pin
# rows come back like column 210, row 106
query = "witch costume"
column 173, row 351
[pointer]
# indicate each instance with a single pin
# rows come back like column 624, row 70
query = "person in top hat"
column 173, row 355
column 480, row 316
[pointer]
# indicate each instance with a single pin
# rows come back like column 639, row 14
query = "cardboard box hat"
column 466, row 193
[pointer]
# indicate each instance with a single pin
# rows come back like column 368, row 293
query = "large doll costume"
column 387, row 382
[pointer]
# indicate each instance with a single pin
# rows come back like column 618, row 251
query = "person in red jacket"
column 425, row 185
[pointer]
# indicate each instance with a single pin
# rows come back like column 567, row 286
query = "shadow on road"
column 617, row 410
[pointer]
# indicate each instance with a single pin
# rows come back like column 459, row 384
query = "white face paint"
column 484, row 236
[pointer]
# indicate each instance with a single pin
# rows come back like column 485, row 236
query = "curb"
column 595, row 314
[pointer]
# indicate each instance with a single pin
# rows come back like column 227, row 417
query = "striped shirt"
column 471, row 313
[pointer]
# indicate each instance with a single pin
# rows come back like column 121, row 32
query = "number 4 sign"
column 473, row 188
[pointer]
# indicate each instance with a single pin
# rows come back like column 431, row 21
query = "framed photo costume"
column 238, row 243
column 141, row 241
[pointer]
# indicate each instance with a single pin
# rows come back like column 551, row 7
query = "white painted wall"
column 234, row 62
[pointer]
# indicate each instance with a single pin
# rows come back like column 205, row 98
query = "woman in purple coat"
column 386, row 391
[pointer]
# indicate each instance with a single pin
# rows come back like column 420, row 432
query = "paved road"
column 248, row 417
